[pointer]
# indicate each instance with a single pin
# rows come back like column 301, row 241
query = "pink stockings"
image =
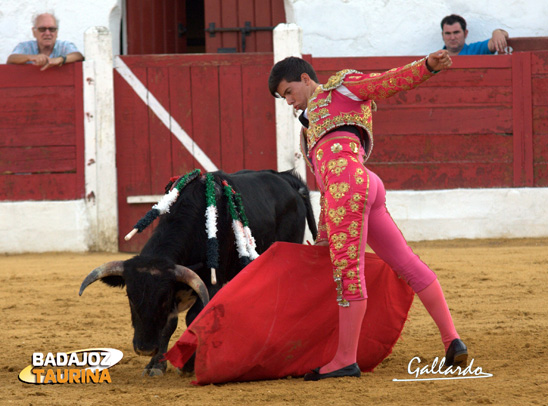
column 354, row 213
column 350, row 324
column 433, row 299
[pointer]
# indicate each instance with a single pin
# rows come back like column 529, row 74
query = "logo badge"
column 80, row 366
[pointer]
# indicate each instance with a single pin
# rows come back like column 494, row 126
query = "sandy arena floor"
column 496, row 290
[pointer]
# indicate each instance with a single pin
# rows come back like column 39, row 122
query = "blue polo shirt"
column 475, row 48
column 31, row 48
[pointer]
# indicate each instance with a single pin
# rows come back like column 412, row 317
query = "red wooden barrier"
column 41, row 133
column 480, row 124
column 221, row 101
column 484, row 123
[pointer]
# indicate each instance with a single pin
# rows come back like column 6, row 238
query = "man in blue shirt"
column 454, row 33
column 46, row 51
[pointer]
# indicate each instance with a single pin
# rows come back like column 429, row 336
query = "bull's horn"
column 192, row 279
column 112, row 268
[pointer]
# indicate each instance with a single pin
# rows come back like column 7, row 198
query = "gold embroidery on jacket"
column 338, row 190
column 338, row 240
column 340, row 265
column 336, row 148
column 357, row 176
column 337, row 215
column 354, row 204
column 319, row 154
column 352, row 252
column 337, row 166
column 353, row 229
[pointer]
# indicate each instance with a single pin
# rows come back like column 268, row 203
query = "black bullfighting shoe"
column 457, row 354
column 350, row 370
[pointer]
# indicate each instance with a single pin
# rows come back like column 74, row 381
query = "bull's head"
column 152, row 289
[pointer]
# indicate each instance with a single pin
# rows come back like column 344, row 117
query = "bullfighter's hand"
column 439, row 60
column 323, row 243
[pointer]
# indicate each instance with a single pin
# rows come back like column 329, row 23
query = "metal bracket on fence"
column 246, row 30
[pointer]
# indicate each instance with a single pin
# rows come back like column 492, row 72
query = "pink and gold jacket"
column 349, row 96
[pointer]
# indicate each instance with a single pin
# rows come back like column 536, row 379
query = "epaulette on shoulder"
column 338, row 78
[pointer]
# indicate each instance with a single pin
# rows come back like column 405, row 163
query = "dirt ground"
column 496, row 290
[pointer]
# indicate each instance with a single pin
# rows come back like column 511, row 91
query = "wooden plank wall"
column 221, row 101
column 457, row 130
column 235, row 13
column 539, row 85
column 41, row 133
column 152, row 26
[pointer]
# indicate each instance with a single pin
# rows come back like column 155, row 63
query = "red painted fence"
column 483, row 123
column 221, row 101
column 41, row 133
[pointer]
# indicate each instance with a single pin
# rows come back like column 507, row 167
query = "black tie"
column 304, row 121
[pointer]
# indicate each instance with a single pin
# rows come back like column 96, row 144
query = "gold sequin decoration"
column 351, row 274
column 337, row 166
column 357, row 176
column 352, row 252
column 338, row 240
column 319, row 154
column 337, row 215
column 352, row 288
column 343, row 263
column 338, row 190
column 354, row 147
column 353, row 229
column 354, row 205
column 336, row 148
column 323, row 113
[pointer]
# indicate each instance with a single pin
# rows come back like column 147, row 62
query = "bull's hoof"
column 184, row 374
column 153, row 372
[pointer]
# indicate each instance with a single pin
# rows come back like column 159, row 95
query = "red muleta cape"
column 279, row 317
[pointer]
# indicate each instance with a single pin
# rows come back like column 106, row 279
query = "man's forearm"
column 74, row 57
column 498, row 40
column 18, row 59
column 505, row 33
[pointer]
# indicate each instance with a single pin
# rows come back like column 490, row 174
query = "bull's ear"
column 196, row 267
column 115, row 281
column 111, row 273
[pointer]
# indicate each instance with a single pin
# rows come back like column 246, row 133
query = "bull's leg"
column 156, row 367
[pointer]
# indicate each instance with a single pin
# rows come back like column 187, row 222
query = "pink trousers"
column 355, row 214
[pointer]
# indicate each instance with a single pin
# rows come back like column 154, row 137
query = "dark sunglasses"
column 44, row 29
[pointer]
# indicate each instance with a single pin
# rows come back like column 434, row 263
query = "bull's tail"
column 293, row 178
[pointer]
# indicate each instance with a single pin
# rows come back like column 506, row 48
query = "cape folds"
column 278, row 317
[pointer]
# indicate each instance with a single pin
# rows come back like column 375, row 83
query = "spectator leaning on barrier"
column 454, row 33
column 46, row 51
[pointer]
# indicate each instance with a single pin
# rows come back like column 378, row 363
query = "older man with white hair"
column 46, row 51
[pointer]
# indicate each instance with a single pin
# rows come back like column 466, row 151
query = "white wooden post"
column 100, row 156
column 288, row 42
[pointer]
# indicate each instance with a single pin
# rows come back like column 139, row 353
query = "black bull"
column 159, row 281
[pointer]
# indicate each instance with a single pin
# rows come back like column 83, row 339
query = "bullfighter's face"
column 296, row 94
